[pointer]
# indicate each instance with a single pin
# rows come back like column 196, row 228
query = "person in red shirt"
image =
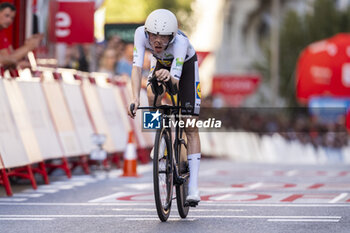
column 9, row 57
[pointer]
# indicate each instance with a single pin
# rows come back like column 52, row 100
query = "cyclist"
column 173, row 59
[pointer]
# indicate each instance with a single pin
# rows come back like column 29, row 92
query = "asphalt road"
column 235, row 197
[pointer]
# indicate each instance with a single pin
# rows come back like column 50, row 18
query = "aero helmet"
column 162, row 22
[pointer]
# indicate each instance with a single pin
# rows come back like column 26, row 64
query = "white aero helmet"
column 162, row 22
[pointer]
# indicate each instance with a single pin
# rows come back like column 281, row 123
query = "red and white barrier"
column 79, row 113
column 97, row 114
column 62, row 118
column 110, row 107
column 41, row 120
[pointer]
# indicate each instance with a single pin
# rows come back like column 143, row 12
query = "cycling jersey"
column 179, row 51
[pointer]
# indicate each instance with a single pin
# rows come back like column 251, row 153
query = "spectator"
column 124, row 65
column 108, row 61
column 7, row 15
column 116, row 43
column 76, row 58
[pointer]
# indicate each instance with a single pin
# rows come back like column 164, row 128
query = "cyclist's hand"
column 163, row 75
column 132, row 108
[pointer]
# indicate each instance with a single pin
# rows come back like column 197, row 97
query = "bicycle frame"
column 174, row 110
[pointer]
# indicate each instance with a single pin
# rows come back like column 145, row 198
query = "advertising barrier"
column 62, row 118
column 97, row 114
column 40, row 119
column 10, row 140
column 79, row 113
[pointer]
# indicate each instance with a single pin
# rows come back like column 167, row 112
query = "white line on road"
column 256, row 185
column 197, row 210
column 157, row 219
column 338, row 198
column 11, row 199
column 211, row 204
column 192, row 216
column 223, row 197
column 28, row 194
column 29, row 219
column 303, row 220
column 292, row 173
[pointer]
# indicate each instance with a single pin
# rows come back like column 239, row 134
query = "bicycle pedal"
column 191, row 203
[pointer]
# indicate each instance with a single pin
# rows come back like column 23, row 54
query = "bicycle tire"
column 163, row 174
column 182, row 190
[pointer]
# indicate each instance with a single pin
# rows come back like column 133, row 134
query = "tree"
column 298, row 31
column 136, row 11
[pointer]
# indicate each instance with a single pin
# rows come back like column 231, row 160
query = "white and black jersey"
column 179, row 58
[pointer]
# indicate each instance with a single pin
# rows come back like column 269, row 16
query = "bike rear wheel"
column 182, row 190
column 163, row 173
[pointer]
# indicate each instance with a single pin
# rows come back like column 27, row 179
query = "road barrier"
column 47, row 122
column 249, row 147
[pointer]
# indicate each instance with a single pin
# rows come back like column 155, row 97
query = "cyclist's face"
column 158, row 42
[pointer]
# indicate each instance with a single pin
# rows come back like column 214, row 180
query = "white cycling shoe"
column 193, row 197
column 161, row 148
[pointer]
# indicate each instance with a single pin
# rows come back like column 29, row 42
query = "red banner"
column 324, row 69
column 201, row 55
column 235, row 88
column 72, row 22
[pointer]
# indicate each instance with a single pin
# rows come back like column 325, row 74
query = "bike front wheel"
column 163, row 173
column 182, row 190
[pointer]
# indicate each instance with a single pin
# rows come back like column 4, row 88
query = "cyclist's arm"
column 136, row 73
column 179, row 59
column 136, row 76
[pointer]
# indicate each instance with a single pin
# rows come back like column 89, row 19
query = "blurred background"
column 290, row 56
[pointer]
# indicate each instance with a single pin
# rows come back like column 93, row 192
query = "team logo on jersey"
column 165, row 62
column 179, row 61
column 198, row 90
column 135, row 52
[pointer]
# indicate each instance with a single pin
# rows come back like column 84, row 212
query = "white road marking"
column 338, row 198
column 256, row 185
column 157, row 219
column 29, row 219
column 292, row 173
column 65, row 187
column 303, row 220
column 82, row 204
column 46, row 190
column 12, row 199
column 139, row 186
column 114, row 196
column 192, row 216
column 192, row 210
column 28, row 195
column 223, row 197
column 134, row 203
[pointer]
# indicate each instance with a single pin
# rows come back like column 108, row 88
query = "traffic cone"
column 130, row 163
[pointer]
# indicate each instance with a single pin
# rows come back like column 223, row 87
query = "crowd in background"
column 114, row 57
column 293, row 124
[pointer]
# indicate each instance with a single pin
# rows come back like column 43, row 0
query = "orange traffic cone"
column 130, row 162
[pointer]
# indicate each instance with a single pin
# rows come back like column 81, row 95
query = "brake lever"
column 132, row 107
